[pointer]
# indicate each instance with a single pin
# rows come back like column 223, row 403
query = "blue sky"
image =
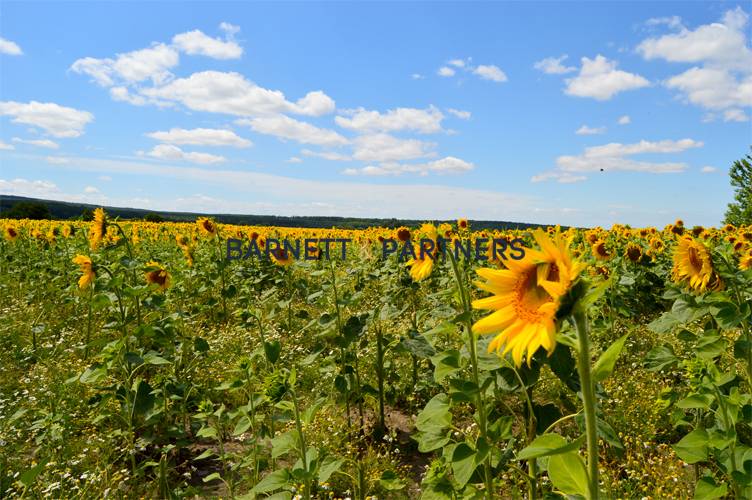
column 504, row 111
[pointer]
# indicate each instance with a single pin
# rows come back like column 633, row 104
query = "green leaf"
column 666, row 322
column 445, row 363
column 710, row 346
column 696, row 401
column 661, row 357
column 283, row 443
column 707, row 489
column 272, row 350
column 152, row 358
column 463, row 463
column 28, row 477
column 431, row 440
column 206, row 454
column 207, row 432
column 243, row 424
column 547, row 445
column 419, row 346
column 273, row 481
column 605, row 364
column 391, row 481
column 693, row 447
column 329, row 466
column 568, row 474
column 435, row 415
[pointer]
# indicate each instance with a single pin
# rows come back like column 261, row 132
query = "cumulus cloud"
column 708, row 169
column 41, row 143
column 33, row 189
column 231, row 93
column 9, row 48
column 197, row 43
column 624, row 120
column 490, row 72
column 585, row 130
column 615, row 157
column 152, row 63
column 285, row 127
column 327, row 155
column 4, row 146
column 171, row 152
column 599, row 79
column 425, row 121
column 387, row 148
column 200, row 137
column 462, row 115
column 448, row 165
column 721, row 79
column 446, row 71
column 554, row 66
column 56, row 120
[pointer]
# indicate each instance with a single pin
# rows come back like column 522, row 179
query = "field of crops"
column 137, row 361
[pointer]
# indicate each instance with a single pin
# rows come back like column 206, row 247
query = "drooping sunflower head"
column 11, row 233
column 98, row 228
column 693, row 266
column 600, row 251
column 206, row 227
column 87, row 271
column 525, row 298
column 281, row 257
column 157, row 275
column 634, row 252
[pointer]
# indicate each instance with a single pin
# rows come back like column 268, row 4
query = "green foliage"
column 739, row 212
column 28, row 210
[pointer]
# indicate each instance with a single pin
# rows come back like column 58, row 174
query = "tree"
column 740, row 211
column 152, row 217
column 28, row 210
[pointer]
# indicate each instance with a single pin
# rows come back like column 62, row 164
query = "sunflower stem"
column 579, row 318
column 472, row 347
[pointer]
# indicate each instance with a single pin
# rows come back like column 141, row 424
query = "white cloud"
column 624, row 120
column 4, row 146
column 457, row 63
column 387, row 148
column 462, row 115
column 722, row 77
column 57, row 160
column 105, row 178
column 9, row 48
column 231, row 93
column 91, row 190
column 446, row 71
column 554, row 66
column 24, row 187
column 201, row 137
column 56, row 120
column 585, row 130
column 448, row 165
column 152, row 63
column 417, row 76
column 124, row 95
column 229, row 29
column 294, row 159
column 327, row 155
column 708, row 170
column 490, row 72
column 673, row 22
column 613, row 157
column 425, row 121
column 735, row 115
column 598, row 78
column 170, row 152
column 197, row 43
column 285, row 127
column 42, row 143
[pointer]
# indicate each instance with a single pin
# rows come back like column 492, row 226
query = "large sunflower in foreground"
column 98, row 228
column 526, row 297
column 694, row 267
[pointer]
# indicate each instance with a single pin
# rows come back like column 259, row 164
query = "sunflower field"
column 138, row 361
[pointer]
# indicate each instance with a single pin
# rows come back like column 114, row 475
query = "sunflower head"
column 745, row 261
column 403, row 234
column 634, row 252
column 157, row 275
column 98, row 228
column 11, row 233
column 206, row 227
column 281, row 257
column 693, row 266
column 600, row 251
column 526, row 297
column 462, row 223
column 87, row 271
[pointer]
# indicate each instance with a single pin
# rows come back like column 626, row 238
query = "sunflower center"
column 530, row 296
column 694, row 259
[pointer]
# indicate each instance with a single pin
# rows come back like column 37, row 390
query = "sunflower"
column 11, row 233
column 745, row 261
column 634, row 252
column 87, row 271
column 462, row 223
column 599, row 250
column 403, row 234
column 526, row 297
column 157, row 275
column 207, row 227
column 694, row 267
column 281, row 257
column 98, row 228
column 422, row 265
